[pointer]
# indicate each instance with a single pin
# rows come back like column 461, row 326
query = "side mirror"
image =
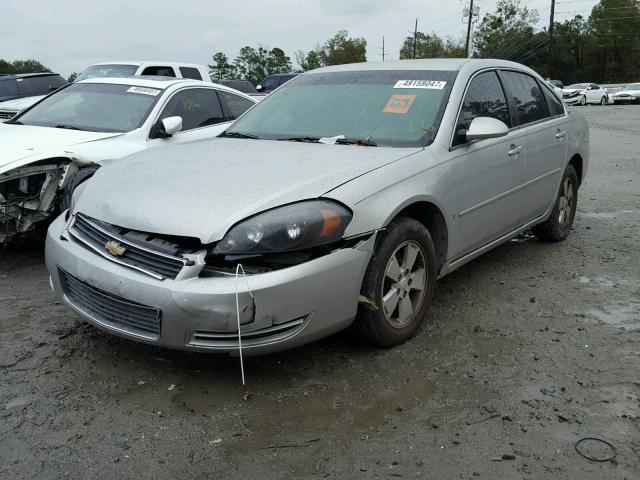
column 172, row 125
column 259, row 88
column 482, row 128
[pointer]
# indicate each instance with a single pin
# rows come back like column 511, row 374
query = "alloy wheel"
column 404, row 284
column 565, row 206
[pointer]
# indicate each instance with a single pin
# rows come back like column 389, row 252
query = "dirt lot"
column 527, row 350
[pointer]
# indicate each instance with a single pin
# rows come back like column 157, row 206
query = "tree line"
column 602, row 45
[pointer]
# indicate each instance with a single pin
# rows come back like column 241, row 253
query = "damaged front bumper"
column 28, row 196
column 290, row 307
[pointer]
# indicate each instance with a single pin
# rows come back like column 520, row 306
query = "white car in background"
column 584, row 93
column 49, row 149
column 628, row 94
column 192, row 71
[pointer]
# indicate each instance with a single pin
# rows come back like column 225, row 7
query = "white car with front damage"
column 52, row 147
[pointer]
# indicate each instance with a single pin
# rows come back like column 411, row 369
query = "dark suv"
column 29, row 85
column 271, row 82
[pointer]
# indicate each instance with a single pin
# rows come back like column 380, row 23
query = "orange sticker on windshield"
column 399, row 103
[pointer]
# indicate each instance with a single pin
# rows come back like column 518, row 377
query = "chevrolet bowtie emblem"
column 114, row 248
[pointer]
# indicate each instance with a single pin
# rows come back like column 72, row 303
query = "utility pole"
column 466, row 47
column 415, row 38
column 551, row 22
column 383, row 48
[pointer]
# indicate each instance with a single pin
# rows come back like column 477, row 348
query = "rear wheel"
column 603, row 101
column 399, row 282
column 559, row 224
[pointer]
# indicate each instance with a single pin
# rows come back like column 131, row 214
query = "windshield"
column 107, row 71
column 96, row 107
column 578, row 86
column 389, row 108
column 633, row 86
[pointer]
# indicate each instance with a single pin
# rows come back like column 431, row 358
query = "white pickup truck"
column 158, row 69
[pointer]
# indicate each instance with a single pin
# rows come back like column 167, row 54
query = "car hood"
column 201, row 189
column 19, row 103
column 19, row 142
column 572, row 90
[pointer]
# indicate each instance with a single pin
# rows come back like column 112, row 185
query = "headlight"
column 298, row 226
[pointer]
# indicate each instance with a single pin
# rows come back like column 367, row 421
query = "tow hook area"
column 27, row 196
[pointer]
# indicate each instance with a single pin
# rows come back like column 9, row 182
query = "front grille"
column 96, row 235
column 7, row 115
column 110, row 310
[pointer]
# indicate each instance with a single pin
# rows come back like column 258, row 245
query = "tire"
column 403, row 239
column 603, row 101
column 559, row 224
column 583, row 101
column 76, row 180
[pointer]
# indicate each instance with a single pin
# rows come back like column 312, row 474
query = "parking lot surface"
column 526, row 351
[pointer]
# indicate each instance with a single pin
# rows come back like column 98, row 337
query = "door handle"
column 561, row 134
column 515, row 150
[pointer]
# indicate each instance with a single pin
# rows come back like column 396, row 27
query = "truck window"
column 190, row 72
column 159, row 71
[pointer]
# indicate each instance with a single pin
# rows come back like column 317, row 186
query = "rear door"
column 542, row 118
column 485, row 176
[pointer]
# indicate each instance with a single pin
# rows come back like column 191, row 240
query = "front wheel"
column 583, row 101
column 398, row 284
column 559, row 224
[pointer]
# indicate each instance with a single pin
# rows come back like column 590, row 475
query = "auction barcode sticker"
column 144, row 91
column 430, row 84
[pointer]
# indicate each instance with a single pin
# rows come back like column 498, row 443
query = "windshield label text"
column 429, row 84
column 144, row 91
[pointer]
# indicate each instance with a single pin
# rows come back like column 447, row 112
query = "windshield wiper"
column 238, row 135
column 69, row 127
column 365, row 142
column 299, row 139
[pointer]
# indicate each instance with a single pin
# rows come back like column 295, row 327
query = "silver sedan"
column 344, row 196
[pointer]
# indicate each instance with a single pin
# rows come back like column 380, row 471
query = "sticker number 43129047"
column 430, row 84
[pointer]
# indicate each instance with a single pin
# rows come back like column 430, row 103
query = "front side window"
column 101, row 71
column 235, row 104
column 198, row 107
column 270, row 83
column 394, row 108
column 484, row 98
column 526, row 97
column 96, row 107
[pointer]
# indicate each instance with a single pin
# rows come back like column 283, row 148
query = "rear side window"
column 159, row 71
column 198, row 107
column 484, row 98
column 190, row 72
column 8, row 88
column 285, row 78
column 526, row 96
column 554, row 103
column 235, row 104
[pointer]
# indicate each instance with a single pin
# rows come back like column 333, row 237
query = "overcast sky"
column 69, row 35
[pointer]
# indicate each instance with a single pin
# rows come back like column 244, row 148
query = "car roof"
column 155, row 62
column 160, row 83
column 26, row 75
column 450, row 64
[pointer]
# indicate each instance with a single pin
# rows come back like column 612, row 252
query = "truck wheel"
column 558, row 226
column 398, row 284
column 76, row 180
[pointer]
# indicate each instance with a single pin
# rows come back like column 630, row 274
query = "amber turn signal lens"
column 331, row 222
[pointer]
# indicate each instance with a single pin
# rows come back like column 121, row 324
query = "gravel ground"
column 527, row 350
